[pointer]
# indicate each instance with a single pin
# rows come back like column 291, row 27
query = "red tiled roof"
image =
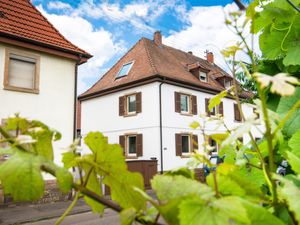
column 20, row 19
column 150, row 61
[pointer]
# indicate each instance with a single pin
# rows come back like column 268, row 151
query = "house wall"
column 102, row 114
column 54, row 105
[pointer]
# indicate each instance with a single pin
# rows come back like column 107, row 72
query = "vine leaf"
column 127, row 216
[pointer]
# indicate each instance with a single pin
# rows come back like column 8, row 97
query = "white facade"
column 102, row 114
column 53, row 105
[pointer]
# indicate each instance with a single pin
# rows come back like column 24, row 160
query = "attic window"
column 124, row 70
column 202, row 76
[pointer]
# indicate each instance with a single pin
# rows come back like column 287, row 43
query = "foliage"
column 245, row 189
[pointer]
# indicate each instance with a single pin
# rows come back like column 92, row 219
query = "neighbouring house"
column 148, row 99
column 38, row 70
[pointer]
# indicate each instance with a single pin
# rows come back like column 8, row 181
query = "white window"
column 21, row 72
column 131, row 145
column 185, row 103
column 227, row 84
column 186, row 144
column 202, row 76
column 131, row 104
column 124, row 70
column 213, row 144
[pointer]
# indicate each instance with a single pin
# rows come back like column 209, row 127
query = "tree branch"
column 240, row 5
column 293, row 5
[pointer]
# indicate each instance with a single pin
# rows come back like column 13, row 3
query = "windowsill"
column 186, row 155
column 238, row 121
column 131, row 157
column 19, row 89
column 186, row 114
column 131, row 114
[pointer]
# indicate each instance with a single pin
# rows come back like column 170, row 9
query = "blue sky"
column 107, row 29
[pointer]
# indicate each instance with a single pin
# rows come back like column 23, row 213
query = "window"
column 130, row 104
column 132, row 145
column 124, row 70
column 185, row 143
column 203, row 76
column 185, row 104
column 213, row 144
column 227, row 84
column 21, row 72
column 237, row 114
column 215, row 110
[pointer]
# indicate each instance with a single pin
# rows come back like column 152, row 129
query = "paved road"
column 88, row 218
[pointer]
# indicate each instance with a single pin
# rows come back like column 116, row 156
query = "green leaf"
column 64, row 179
column 68, row 159
column 183, row 171
column 127, row 216
column 294, row 161
column 173, row 187
column 21, row 177
column 170, row 210
column 94, row 185
column 285, row 104
column 216, row 100
column 226, row 185
column 294, row 143
column 194, row 125
column 291, row 194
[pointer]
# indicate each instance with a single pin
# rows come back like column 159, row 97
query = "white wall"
column 102, row 114
column 54, row 105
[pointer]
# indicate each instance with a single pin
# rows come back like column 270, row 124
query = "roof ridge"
column 111, row 67
column 32, row 6
column 149, row 56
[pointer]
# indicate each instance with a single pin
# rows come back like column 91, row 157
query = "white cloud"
column 99, row 42
column 57, row 5
column 207, row 30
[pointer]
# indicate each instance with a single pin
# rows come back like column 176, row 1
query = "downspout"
column 75, row 97
column 160, row 129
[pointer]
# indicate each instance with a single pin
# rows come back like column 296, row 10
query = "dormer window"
column 227, row 84
column 203, row 76
column 124, row 70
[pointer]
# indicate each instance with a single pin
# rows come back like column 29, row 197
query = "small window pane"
column 131, row 101
column 213, row 143
column 21, row 71
column 132, row 145
column 202, row 76
column 185, row 144
column 184, row 101
column 124, row 70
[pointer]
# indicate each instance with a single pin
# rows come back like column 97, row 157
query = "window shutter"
column 121, row 106
column 194, row 105
column 178, row 144
column 139, row 145
column 206, row 106
column 177, row 102
column 122, row 142
column 195, row 142
column 138, row 102
column 237, row 115
column 221, row 109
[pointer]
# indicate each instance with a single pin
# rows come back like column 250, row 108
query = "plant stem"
column 69, row 209
column 217, row 194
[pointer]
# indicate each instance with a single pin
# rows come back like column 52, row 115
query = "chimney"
column 190, row 52
column 209, row 57
column 157, row 38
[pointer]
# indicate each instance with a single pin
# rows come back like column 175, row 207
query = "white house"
column 38, row 70
column 148, row 99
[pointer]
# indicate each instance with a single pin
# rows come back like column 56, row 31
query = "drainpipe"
column 75, row 97
column 160, row 129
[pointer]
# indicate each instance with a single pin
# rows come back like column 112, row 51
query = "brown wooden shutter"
column 194, row 105
column 122, row 142
column 139, row 145
column 195, row 142
column 177, row 102
column 237, row 115
column 138, row 102
column 221, row 111
column 178, row 144
column 121, row 106
column 206, row 106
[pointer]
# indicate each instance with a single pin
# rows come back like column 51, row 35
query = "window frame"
column 7, row 86
column 190, row 147
column 130, row 155
column 202, row 72
column 125, row 64
column 189, row 103
column 127, row 104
